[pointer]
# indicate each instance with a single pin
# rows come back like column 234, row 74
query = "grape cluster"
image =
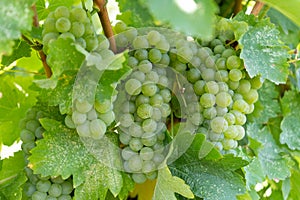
column 69, row 23
column 38, row 187
column 91, row 120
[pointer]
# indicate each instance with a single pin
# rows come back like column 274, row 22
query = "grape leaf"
column 128, row 186
column 289, row 8
column 274, row 162
column 12, row 176
column 290, row 124
column 254, row 173
column 210, row 179
column 60, row 152
column 183, row 18
column 144, row 191
column 15, row 100
column 263, row 53
column 135, row 13
column 21, row 49
column 15, row 16
column 295, row 187
column 167, row 185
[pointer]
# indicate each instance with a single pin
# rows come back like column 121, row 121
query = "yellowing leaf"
column 144, row 191
column 167, row 185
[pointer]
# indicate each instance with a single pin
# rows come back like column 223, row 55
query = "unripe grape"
column 103, row 106
column 78, row 14
column 231, row 132
column 135, row 130
column 139, row 178
column 145, row 66
column 207, row 100
column 240, row 105
column 153, row 37
column 140, row 42
column 148, row 166
column 107, row 118
column 229, row 144
column 244, row 87
column 136, row 144
column 235, row 74
column 219, row 124
column 43, row 185
column 67, row 187
column 149, row 139
column 27, row 136
column 251, row 96
column 61, row 11
column 120, row 27
column 149, row 89
column 193, row 75
column 37, row 195
column 133, row 87
column 77, row 29
column 155, row 55
column 63, row 25
column 208, row 74
column 83, row 130
column 211, row 87
column 139, row 75
column 149, row 125
column 55, row 190
column 145, row 111
column 126, row 119
column 135, row 163
column 78, row 118
column 240, row 131
column 83, row 106
column 124, row 138
column 146, row 153
column 97, row 128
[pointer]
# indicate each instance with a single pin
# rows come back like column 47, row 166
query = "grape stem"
column 43, row 57
column 257, row 8
column 106, row 25
column 237, row 6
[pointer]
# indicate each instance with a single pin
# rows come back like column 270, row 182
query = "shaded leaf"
column 144, row 191
column 21, row 49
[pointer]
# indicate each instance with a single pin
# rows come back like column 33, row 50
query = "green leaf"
column 263, row 54
column 21, row 49
column 12, row 176
column 63, row 56
column 295, row 187
column 290, row 124
column 289, row 8
column 128, row 186
column 60, row 152
column 274, row 162
column 210, row 179
column 254, row 173
column 15, row 100
column 15, row 16
column 135, row 13
column 195, row 21
column 167, row 185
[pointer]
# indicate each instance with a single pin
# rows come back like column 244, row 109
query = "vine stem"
column 238, row 6
column 106, row 25
column 43, row 57
column 257, row 8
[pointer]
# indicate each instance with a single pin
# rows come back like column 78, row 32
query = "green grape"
column 145, row 66
column 67, row 35
column 148, row 166
column 135, row 163
column 149, row 139
column 81, row 42
column 219, row 49
column 229, row 144
column 166, row 95
column 251, row 96
column 208, row 74
column 63, row 25
column 256, row 82
column 141, row 99
column 155, row 55
column 221, row 111
column 83, row 106
column 135, row 144
column 215, row 137
column 204, row 52
column 244, row 87
column 127, row 153
column 199, row 87
column 32, row 125
column 210, row 113
column 57, row 179
column 120, row 27
column 64, row 197
column 43, row 185
column 219, row 124
column 26, row 147
column 78, row 118
column 227, row 53
column 211, row 87
column 149, row 89
column 129, row 107
column 67, row 187
column 153, row 37
column 221, row 76
column 91, row 42
column 97, row 128
column 55, row 190
column 149, row 125
column 135, row 130
column 141, row 54
column 196, row 118
column 152, row 77
column 223, row 87
column 207, row 100
column 193, row 75
column 157, row 116
column 140, row 42
column 221, row 63
column 124, row 138
column 233, row 62
column 210, row 62
column 231, row 132
column 165, row 110
column 126, row 119
column 49, row 25
column 250, row 109
column 133, row 87
column 151, row 175
column 121, row 40
column 103, row 106
column 27, row 136
column 164, row 61
column 184, row 54
column 139, row 178
column 28, row 189
column 233, row 84
column 92, row 114
column 107, row 118
column 163, row 82
column 146, row 153
column 218, row 145
column 240, row 118
column 240, row 105
column 139, row 75
column 158, row 158
column 83, row 130
column 223, row 99
column 131, row 33
column 235, row 75
column 78, row 14
column 61, row 11
column 37, row 195
column 145, row 111
column 89, row 29
column 156, row 100
column 240, row 132
column 163, row 45
column 77, row 29
column 215, row 42
column 230, row 118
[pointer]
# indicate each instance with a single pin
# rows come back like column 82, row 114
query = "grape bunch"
column 38, row 187
column 69, row 23
column 91, row 120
